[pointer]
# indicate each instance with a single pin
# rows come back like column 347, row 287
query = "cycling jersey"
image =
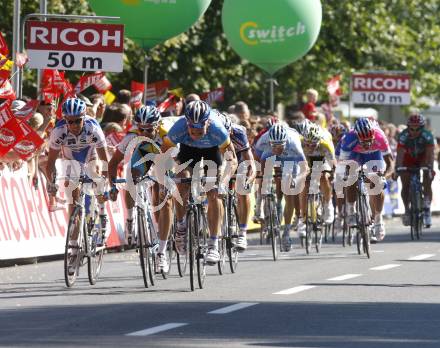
column 239, row 138
column 216, row 135
column 78, row 147
column 351, row 149
column 293, row 150
column 146, row 147
column 324, row 150
column 415, row 147
column 350, row 143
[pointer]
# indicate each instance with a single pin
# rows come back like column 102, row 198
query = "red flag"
column 88, row 80
column 30, row 144
column 53, row 80
column 103, row 85
column 167, row 103
column 6, row 90
column 10, row 134
column 3, row 46
column 27, row 111
column 157, row 91
column 137, row 91
column 217, row 95
column 5, row 113
column 333, row 86
column 49, row 95
column 21, row 59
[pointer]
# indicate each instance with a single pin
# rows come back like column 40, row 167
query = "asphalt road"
column 332, row 299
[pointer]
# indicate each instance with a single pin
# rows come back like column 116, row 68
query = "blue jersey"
column 216, row 136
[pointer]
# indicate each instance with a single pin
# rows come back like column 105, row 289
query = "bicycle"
column 230, row 230
column 313, row 220
column 86, row 222
column 364, row 222
column 272, row 223
column 197, row 226
column 146, row 236
column 416, row 202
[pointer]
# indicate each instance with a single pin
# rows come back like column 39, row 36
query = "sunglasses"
column 77, row 121
column 196, row 125
column 147, row 130
column 367, row 143
column 307, row 144
column 414, row 129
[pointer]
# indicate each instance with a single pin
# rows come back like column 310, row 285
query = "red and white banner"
column 103, row 85
column 75, row 46
column 217, row 95
column 137, row 92
column 10, row 134
column 30, row 144
column 88, row 80
column 6, row 90
column 27, row 111
column 381, row 89
column 157, row 91
column 28, row 229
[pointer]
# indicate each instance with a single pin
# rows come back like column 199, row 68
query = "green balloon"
column 272, row 34
column 151, row 22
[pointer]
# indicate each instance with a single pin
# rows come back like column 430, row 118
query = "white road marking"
column 344, row 277
column 378, row 251
column 294, row 290
column 421, row 257
column 156, row 329
column 385, row 267
column 233, row 308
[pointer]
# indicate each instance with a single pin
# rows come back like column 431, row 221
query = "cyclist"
column 151, row 133
column 201, row 135
column 416, row 149
column 364, row 143
column 338, row 130
column 79, row 138
column 243, row 152
column 284, row 145
column 319, row 150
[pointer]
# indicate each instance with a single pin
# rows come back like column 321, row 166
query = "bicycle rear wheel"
column 144, row 250
column 233, row 229
column 72, row 255
column 310, row 222
column 95, row 248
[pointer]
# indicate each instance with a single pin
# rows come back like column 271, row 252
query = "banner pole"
column 16, row 82
column 146, row 67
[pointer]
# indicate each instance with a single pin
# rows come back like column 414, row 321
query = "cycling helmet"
column 337, row 130
column 147, row 115
column 416, row 120
column 277, row 134
column 271, row 121
column 301, row 127
column 364, row 129
column 74, row 107
column 197, row 113
column 313, row 134
column 226, row 119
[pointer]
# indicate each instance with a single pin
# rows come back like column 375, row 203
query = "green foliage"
column 356, row 36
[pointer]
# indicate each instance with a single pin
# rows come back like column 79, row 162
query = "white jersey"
column 293, row 150
column 78, row 147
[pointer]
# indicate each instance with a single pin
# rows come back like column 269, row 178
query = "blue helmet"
column 147, row 114
column 74, row 107
column 197, row 113
column 364, row 129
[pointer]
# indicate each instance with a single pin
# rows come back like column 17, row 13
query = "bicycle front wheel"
column 192, row 246
column 233, row 229
column 202, row 236
column 144, row 250
column 73, row 253
column 95, row 249
column 363, row 224
column 271, row 210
